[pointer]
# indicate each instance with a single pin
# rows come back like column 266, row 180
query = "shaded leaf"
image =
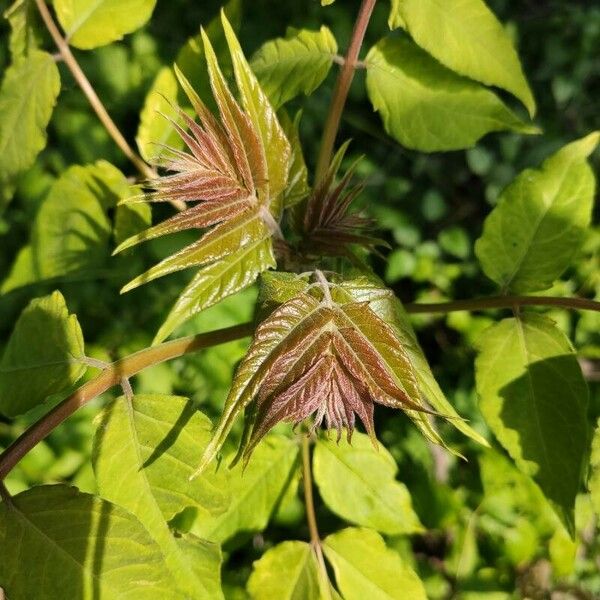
column 475, row 43
column 77, row 546
column 296, row 64
column 43, row 355
column 297, row 560
column 365, row 568
column 27, row 97
column 344, row 471
column 427, row 107
column 255, row 490
column 534, row 398
column 92, row 23
column 536, row 229
column 142, row 454
column 594, row 480
column 297, row 185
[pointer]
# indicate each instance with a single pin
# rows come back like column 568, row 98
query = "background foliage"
column 469, row 530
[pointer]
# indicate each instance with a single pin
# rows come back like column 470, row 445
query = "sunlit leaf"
column 344, row 471
column 255, row 490
column 365, row 568
column 21, row 16
column 535, row 231
column 77, row 546
column 475, row 43
column 92, row 23
column 144, row 451
column 296, row 64
column 43, row 355
column 534, row 398
column 594, row 481
column 219, row 280
column 27, row 97
column 427, row 107
column 294, row 558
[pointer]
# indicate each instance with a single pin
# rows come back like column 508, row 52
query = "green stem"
column 311, row 517
column 342, row 87
column 109, row 377
column 509, row 302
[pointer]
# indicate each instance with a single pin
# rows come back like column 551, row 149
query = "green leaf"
column 43, row 355
column 71, row 233
column 255, row 490
column 536, row 229
column 534, row 398
column 296, row 64
column 27, row 97
column 395, row 19
column 21, row 16
column 219, row 280
column 144, row 452
column 367, row 476
column 77, row 546
column 427, row 107
column 297, row 185
column 155, row 130
column 365, row 568
column 594, row 481
column 255, row 102
column 130, row 220
column 92, row 23
column 465, row 36
column 301, row 581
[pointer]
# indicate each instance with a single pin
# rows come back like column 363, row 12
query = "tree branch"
column 502, row 302
column 111, row 376
column 342, row 87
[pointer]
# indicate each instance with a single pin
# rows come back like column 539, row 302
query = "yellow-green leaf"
column 298, row 561
column 27, row 97
column 534, row 398
column 367, row 476
column 296, row 64
column 466, row 36
column 59, row 530
column 365, row 568
column 535, row 231
column 92, row 23
column 426, row 106
column 219, row 280
column 43, row 355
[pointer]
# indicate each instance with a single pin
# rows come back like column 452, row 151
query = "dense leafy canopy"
column 208, row 474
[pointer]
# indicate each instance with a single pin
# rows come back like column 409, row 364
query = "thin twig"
column 509, row 302
column 311, row 517
column 342, row 87
column 109, row 377
column 86, row 87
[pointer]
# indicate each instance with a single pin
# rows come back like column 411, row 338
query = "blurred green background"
column 490, row 534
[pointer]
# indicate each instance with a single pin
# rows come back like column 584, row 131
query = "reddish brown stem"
column 111, row 376
column 342, row 87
